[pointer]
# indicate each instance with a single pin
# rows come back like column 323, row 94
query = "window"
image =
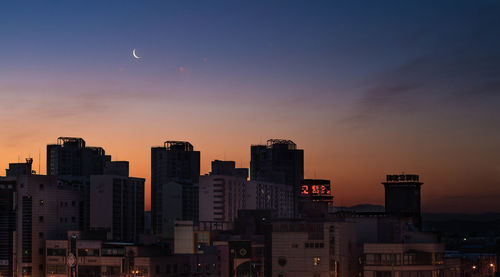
column 40, row 218
column 157, row 269
column 72, row 203
column 168, row 268
column 41, row 186
column 56, row 252
column 73, row 219
column 40, row 251
column 40, row 267
column 88, row 252
column 282, row 261
column 316, row 261
column 42, row 203
column 40, row 235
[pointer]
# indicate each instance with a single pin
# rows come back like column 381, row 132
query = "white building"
column 317, row 249
column 220, row 198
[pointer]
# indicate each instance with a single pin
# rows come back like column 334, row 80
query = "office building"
column 402, row 196
column 117, row 206
column 222, row 196
column 280, row 162
column 175, row 161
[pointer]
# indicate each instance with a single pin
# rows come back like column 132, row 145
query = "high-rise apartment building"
column 280, row 162
column 71, row 157
column 117, row 206
column 46, row 209
column 175, row 161
column 221, row 197
column 73, row 163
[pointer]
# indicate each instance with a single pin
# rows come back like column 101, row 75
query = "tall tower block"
column 402, row 196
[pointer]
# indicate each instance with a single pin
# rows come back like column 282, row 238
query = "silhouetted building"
column 120, row 168
column 7, row 225
column 18, row 169
column 73, row 163
column 278, row 162
column 117, row 206
column 176, row 162
column 402, row 196
column 315, row 198
column 228, row 168
column 71, row 157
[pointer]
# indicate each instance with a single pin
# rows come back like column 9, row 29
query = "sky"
column 366, row 88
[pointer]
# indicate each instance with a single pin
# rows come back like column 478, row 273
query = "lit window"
column 316, row 261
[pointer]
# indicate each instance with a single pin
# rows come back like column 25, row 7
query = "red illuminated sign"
column 315, row 190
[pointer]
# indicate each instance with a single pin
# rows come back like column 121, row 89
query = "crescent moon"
column 135, row 55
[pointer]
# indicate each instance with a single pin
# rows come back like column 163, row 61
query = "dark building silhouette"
column 18, row 169
column 7, row 225
column 73, row 163
column 279, row 161
column 176, row 161
column 120, row 168
column 117, row 206
column 315, row 198
column 228, row 168
column 402, row 196
column 71, row 157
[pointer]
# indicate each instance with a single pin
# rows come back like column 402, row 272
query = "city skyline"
column 365, row 89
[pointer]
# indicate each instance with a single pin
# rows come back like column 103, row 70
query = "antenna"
column 39, row 161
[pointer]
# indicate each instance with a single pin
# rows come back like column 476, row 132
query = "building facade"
column 279, row 161
column 175, row 161
column 222, row 196
column 46, row 209
column 117, row 206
